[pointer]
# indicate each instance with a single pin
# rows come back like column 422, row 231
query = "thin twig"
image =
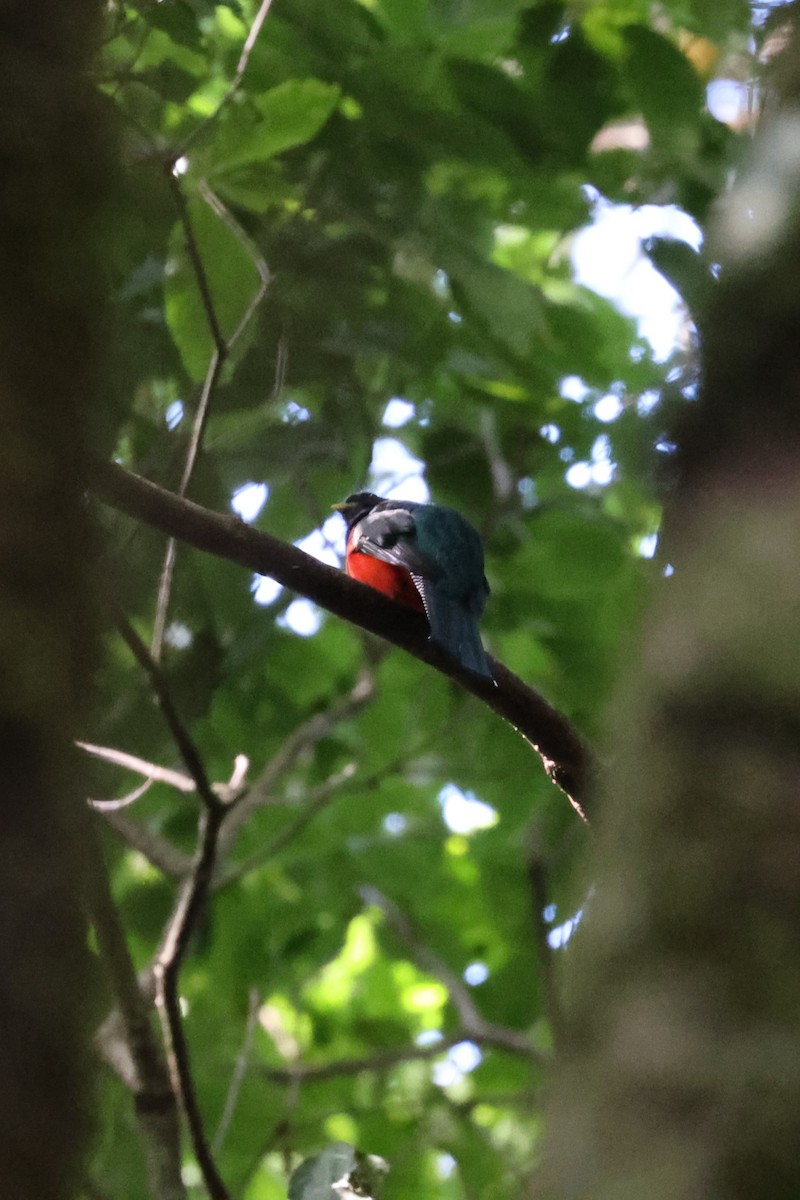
column 241, row 67
column 109, row 806
column 195, row 442
column 186, row 747
column 303, row 738
column 222, row 348
column 192, row 897
column 238, row 780
column 316, row 800
column 254, row 254
column 196, row 259
column 320, row 1072
column 239, row 1071
column 473, row 1026
column 131, row 762
column 564, row 754
column 250, row 41
column 218, row 356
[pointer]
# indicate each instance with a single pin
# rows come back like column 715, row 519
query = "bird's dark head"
column 357, row 506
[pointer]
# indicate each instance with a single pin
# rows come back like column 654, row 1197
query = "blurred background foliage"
column 409, row 177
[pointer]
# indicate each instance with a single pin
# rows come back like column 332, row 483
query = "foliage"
column 407, row 178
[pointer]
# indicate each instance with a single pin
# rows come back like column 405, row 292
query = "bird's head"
column 356, row 506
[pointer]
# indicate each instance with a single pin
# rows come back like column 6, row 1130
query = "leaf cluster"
column 370, row 203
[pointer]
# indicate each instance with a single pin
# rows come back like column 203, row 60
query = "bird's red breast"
column 385, row 577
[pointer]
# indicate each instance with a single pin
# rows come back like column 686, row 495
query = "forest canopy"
column 338, row 246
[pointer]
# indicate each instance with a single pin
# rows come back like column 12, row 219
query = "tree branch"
column 131, row 762
column 195, row 441
column 299, row 740
column 320, row 1072
column 315, row 801
column 198, row 267
column 219, row 356
column 564, row 754
column 192, row 896
column 474, row 1027
column 147, row 1076
column 188, row 751
column 108, row 806
column 191, row 900
column 241, row 67
column 239, row 1071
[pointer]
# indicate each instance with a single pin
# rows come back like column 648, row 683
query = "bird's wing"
column 391, row 534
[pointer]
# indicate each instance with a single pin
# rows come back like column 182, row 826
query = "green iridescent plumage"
column 442, row 553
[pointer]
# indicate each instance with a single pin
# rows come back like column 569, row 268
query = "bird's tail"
column 453, row 628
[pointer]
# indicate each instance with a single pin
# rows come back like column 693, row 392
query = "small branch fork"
column 219, row 802
column 192, row 896
column 473, row 1026
column 222, row 345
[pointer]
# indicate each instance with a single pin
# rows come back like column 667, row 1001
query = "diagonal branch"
column 384, row 1061
column 131, row 762
column 564, row 754
column 110, row 806
column 241, row 67
column 195, row 441
column 198, row 267
column 301, row 739
column 316, row 800
column 319, row 1072
column 474, row 1026
column 219, row 356
column 188, row 751
column 192, row 897
column 239, row 1071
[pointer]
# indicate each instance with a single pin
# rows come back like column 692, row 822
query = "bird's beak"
column 340, row 507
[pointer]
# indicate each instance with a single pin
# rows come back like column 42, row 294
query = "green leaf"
column 510, row 307
column 288, row 115
column 664, row 84
column 574, row 557
column 404, row 18
column 233, row 281
column 179, row 21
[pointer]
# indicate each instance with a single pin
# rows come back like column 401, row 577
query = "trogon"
column 426, row 556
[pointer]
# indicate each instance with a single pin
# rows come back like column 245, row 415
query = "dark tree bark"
column 683, row 1077
column 50, row 180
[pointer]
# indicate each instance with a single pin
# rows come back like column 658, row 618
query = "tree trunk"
column 50, row 178
column 683, row 1078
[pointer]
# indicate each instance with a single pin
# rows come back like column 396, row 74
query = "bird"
column 428, row 557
